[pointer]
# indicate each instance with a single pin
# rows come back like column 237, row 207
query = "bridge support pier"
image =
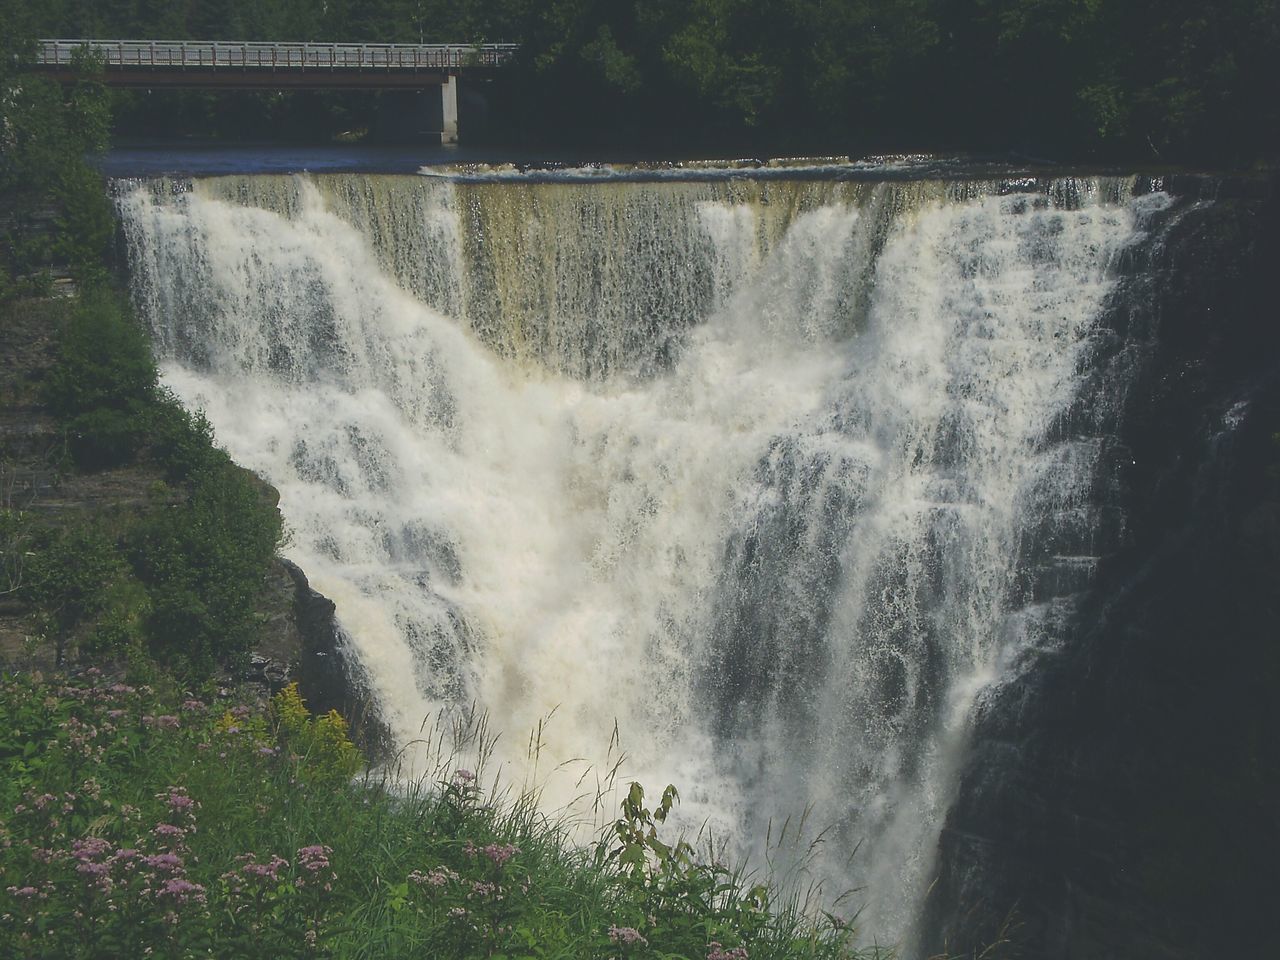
column 449, row 110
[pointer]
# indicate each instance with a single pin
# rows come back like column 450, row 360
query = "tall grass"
column 147, row 822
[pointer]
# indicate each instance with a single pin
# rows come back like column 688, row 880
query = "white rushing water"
column 746, row 469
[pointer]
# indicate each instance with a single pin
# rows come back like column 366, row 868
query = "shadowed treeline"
column 1167, row 81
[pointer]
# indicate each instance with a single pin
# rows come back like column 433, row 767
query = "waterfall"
column 775, row 478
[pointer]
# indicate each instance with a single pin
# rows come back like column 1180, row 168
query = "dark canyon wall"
column 1121, row 801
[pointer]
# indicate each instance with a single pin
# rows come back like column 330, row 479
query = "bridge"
column 152, row 64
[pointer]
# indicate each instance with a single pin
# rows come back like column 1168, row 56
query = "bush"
column 69, row 579
column 204, row 562
column 196, row 567
column 104, row 360
column 106, row 437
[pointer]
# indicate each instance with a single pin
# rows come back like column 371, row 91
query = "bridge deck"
column 217, row 56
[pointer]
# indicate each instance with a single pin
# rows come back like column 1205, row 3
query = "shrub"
column 323, row 741
column 198, row 565
column 204, row 562
column 70, row 578
column 104, row 361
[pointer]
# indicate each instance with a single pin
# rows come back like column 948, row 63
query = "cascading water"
column 774, row 474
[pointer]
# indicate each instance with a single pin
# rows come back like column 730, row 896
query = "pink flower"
column 178, row 800
column 436, row 878
column 314, row 858
column 167, row 862
column 182, row 890
column 500, row 853
column 269, row 870
column 717, row 952
column 89, row 848
column 626, row 935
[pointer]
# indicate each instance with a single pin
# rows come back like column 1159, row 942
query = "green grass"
column 142, row 823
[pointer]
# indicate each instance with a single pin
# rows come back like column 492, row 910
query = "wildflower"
column 182, row 890
column 716, row 952
column 168, row 862
column 436, row 878
column 269, row 870
column 192, row 705
column 241, row 711
column 267, row 751
column 315, row 857
column 310, row 938
column 89, row 848
column 178, row 800
column 168, row 830
column 500, row 853
column 26, row 893
column 116, row 714
column 626, row 936
column 458, row 912
column 463, row 777
column 93, row 869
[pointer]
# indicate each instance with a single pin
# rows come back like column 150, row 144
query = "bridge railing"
column 179, row 54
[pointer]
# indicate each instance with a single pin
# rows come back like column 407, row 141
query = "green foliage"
column 323, row 741
column 104, row 360
column 15, row 546
column 183, row 580
column 141, row 823
column 46, row 180
column 71, row 578
column 104, row 382
column 674, row 897
column 204, row 562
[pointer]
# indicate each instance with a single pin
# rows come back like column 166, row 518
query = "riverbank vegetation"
column 1123, row 80
column 170, row 579
column 151, row 822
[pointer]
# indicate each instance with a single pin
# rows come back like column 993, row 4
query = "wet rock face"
column 328, row 673
column 1122, row 800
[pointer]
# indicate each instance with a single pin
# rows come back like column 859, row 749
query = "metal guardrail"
column 180, row 54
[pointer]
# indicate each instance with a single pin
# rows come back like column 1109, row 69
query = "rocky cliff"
column 1122, row 800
